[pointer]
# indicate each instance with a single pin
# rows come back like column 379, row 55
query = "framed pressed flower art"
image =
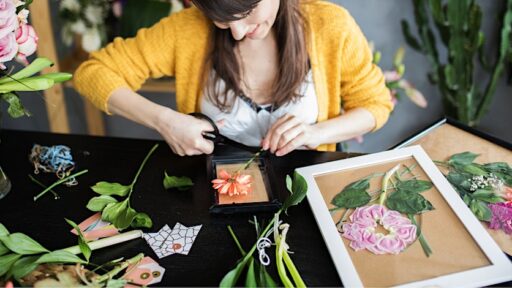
column 392, row 219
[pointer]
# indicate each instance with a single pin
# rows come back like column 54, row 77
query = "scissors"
column 218, row 138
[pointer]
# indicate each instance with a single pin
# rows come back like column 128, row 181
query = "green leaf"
column 106, row 188
column 408, row 203
column 119, row 214
column 299, row 191
column 363, row 184
column 3, row 250
column 97, row 204
column 289, row 183
column 500, row 167
column 27, row 84
column 467, row 199
column 24, row 266
column 16, row 109
column 250, row 279
column 22, row 244
column 481, row 210
column 7, row 261
column 181, row 183
column 142, row 220
column 459, row 180
column 505, row 178
column 3, row 230
column 36, row 66
column 116, row 283
column 473, row 169
column 82, row 243
column 265, row 280
column 60, row 256
column 230, row 279
column 351, row 198
column 464, row 158
column 415, row 186
column 486, row 196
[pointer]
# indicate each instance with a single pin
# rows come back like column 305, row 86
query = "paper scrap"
column 178, row 240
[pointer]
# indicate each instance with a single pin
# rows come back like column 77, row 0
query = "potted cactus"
column 458, row 23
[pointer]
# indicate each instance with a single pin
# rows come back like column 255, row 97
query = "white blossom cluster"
column 482, row 182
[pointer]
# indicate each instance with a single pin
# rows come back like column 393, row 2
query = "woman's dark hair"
column 290, row 34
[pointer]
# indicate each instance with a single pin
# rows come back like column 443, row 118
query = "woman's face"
column 257, row 24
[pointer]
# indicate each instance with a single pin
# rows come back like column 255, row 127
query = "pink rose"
column 27, row 40
column 373, row 212
column 388, row 245
column 8, row 49
column 8, row 17
column 407, row 233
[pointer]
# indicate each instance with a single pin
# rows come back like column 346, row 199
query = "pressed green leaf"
column 60, row 256
column 24, row 266
column 181, row 183
column 16, row 109
column 414, row 185
column 250, row 279
column 474, row 170
column 464, row 158
column 82, row 243
column 351, row 198
column 505, row 178
column 500, row 167
column 299, row 191
column 408, row 203
column 7, row 261
column 22, row 244
column 119, row 214
column 486, row 196
column 481, row 210
column 467, row 199
column 142, row 220
column 107, row 188
column 363, row 184
column 97, row 204
column 3, row 230
column 459, row 180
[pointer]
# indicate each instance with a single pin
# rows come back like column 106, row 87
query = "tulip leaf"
column 3, row 230
column 22, row 244
column 82, row 243
column 7, row 261
column 60, row 256
column 24, row 266
column 181, row 183
column 107, row 188
column 36, row 66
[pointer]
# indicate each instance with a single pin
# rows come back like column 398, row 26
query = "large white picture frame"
column 499, row 270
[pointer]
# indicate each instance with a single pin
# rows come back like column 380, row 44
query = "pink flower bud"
column 27, row 40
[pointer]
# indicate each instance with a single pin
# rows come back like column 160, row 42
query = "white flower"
column 67, row 35
column 91, row 40
column 94, row 14
column 78, row 27
column 18, row 3
column 71, row 5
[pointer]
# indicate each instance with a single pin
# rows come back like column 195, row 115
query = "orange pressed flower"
column 236, row 184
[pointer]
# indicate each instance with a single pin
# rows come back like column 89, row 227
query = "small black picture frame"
column 425, row 131
column 219, row 202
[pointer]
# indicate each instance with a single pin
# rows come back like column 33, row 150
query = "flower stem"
column 421, row 238
column 242, row 251
column 43, row 186
column 248, row 163
column 58, row 183
column 142, row 166
column 385, row 181
column 119, row 268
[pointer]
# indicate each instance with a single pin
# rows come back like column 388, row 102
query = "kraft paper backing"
column 454, row 250
column 447, row 140
column 259, row 191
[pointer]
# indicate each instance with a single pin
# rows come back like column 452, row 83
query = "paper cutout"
column 178, row 240
column 94, row 228
column 144, row 273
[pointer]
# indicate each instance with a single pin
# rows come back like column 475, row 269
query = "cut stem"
column 242, row 251
column 58, row 183
column 385, row 181
column 43, row 186
column 421, row 238
column 142, row 166
column 119, row 268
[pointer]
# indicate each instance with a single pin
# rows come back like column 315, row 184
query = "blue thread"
column 55, row 159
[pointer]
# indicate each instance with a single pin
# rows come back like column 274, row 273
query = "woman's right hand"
column 184, row 133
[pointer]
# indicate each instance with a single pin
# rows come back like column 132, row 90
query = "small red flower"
column 236, row 184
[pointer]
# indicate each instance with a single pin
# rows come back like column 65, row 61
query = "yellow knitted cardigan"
column 341, row 62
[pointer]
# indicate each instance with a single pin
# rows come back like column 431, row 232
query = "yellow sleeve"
column 127, row 63
column 362, row 82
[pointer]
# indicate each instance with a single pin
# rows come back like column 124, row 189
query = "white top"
column 248, row 124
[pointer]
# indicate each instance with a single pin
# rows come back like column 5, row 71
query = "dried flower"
column 363, row 235
column 501, row 216
column 236, row 184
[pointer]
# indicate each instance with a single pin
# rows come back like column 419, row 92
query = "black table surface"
column 116, row 160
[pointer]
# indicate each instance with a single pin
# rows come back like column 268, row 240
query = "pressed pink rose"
column 8, row 17
column 8, row 49
column 27, row 42
column 361, row 231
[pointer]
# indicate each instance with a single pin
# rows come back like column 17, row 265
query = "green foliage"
column 458, row 23
column 408, row 202
column 299, row 189
column 106, row 188
column 180, row 183
column 353, row 195
column 82, row 242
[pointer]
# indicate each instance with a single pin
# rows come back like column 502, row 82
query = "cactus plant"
column 458, row 23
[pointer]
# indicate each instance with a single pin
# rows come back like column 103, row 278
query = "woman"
column 274, row 73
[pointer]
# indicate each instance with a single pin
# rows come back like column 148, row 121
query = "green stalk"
column 119, row 268
column 43, row 186
column 37, row 65
column 242, row 251
column 293, row 271
column 385, row 181
column 141, row 167
column 58, row 183
column 421, row 238
column 249, row 162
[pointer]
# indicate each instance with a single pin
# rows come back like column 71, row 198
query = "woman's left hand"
column 289, row 133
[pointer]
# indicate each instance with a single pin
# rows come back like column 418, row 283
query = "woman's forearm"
column 128, row 104
column 351, row 124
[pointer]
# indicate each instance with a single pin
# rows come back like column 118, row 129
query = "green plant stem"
column 43, row 186
column 293, row 271
column 249, row 161
column 385, row 180
column 141, row 167
column 119, row 268
column 421, row 238
column 58, row 183
column 242, row 251
column 442, row 163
